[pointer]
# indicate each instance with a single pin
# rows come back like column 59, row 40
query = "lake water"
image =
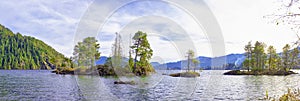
column 211, row 85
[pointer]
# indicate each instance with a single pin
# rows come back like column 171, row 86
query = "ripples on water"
column 36, row 85
column 211, row 85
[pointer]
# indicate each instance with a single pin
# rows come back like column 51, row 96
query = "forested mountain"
column 25, row 52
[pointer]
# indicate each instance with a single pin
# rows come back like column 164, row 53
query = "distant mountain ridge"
column 230, row 61
column 101, row 60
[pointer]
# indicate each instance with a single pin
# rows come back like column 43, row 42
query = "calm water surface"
column 212, row 85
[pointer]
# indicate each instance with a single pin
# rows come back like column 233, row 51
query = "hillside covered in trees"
column 25, row 52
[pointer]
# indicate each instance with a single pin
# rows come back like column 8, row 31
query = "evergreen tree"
column 272, row 57
column 286, row 57
column 86, row 52
column 196, row 62
column 248, row 53
column 143, row 54
column 117, row 52
column 259, row 56
column 247, row 64
column 294, row 57
column 115, row 62
column 190, row 56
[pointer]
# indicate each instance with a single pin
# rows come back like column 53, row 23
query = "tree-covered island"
column 259, row 62
column 190, row 60
column 136, row 64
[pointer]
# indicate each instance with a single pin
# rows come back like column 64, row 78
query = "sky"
column 171, row 28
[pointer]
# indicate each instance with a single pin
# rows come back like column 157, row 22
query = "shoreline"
column 265, row 72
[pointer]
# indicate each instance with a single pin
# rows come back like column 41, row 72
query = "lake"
column 211, row 85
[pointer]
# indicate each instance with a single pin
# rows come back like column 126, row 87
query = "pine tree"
column 190, row 56
column 86, row 52
column 196, row 62
column 294, row 57
column 142, row 51
column 272, row 57
column 259, row 56
column 286, row 57
column 117, row 52
column 248, row 53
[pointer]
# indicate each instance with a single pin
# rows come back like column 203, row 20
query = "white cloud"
column 53, row 21
column 56, row 22
column 243, row 20
column 162, row 19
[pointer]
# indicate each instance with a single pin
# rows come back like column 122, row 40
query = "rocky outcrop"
column 64, row 71
column 124, row 82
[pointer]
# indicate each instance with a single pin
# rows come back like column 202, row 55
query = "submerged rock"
column 125, row 82
column 63, row 71
column 164, row 74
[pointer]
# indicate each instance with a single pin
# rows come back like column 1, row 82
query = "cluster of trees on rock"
column 257, row 59
column 85, row 52
column 24, row 52
column 114, row 64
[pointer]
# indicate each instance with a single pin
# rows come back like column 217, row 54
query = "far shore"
column 263, row 72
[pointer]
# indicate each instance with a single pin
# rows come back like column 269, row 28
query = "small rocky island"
column 78, row 71
column 186, row 74
column 190, row 60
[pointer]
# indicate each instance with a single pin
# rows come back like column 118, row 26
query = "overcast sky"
column 56, row 22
